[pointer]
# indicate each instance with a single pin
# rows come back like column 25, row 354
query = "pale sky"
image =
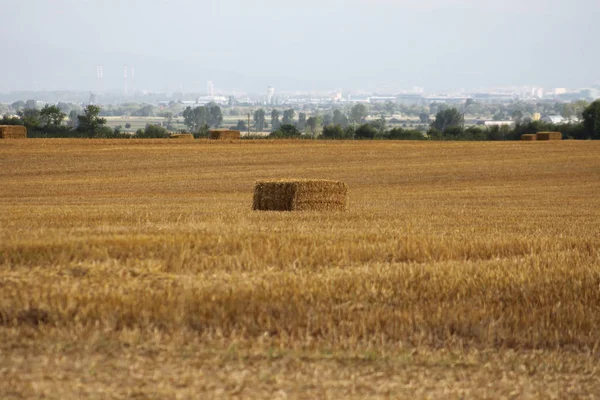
column 302, row 45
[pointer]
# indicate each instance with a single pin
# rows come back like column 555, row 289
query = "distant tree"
column 30, row 117
column 447, row 118
column 259, row 120
column 286, row 131
column 288, row 117
column 517, row 116
column 144, row 111
column 312, row 123
column 51, row 115
column 152, row 131
column 333, row 132
column 241, row 126
column 169, row 121
column 424, row 117
column 18, row 105
column 366, row 131
column 390, row 108
column 327, row 119
column 74, row 120
column 379, row 125
column 128, row 126
column 301, row 124
column 195, row 118
column 275, row 123
column 214, row 114
column 591, row 120
column 90, row 122
column 358, row 113
column 31, row 104
column 339, row 118
column 402, row 134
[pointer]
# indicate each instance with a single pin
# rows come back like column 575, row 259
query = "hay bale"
column 549, row 136
column 529, row 136
column 183, row 136
column 224, row 135
column 300, row 195
column 13, row 132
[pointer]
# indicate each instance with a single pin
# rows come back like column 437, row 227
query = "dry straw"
column 13, row 132
column 529, row 136
column 225, row 134
column 300, row 195
column 549, row 136
column 183, row 136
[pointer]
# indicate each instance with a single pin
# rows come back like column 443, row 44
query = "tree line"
column 448, row 124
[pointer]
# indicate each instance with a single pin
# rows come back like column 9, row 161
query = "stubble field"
column 136, row 268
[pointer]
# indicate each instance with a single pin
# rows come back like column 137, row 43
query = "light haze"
column 311, row 45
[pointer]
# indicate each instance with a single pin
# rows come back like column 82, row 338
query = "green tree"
column 301, row 124
column 51, row 115
column 424, row 117
column 288, row 117
column 333, row 132
column 195, row 118
column 447, row 118
column 241, row 126
column 214, row 114
column 259, row 119
column 152, row 131
column 390, row 108
column 30, row 117
column 286, row 131
column 73, row 119
column 339, row 118
column 365, row 131
column 312, row 123
column 591, row 120
column 327, row 119
column 90, row 122
column 18, row 105
column 275, row 123
column 358, row 113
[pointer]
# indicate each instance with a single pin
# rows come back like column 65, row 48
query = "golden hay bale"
column 529, row 136
column 13, row 132
column 300, row 195
column 549, row 136
column 184, row 136
column 224, row 134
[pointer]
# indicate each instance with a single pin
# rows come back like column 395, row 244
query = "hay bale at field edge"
column 549, row 136
column 225, row 134
column 529, row 137
column 300, row 195
column 183, row 136
column 13, row 132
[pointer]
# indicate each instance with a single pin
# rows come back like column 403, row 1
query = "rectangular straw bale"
column 529, row 136
column 549, row 136
column 183, row 136
column 224, row 134
column 13, row 132
column 300, row 195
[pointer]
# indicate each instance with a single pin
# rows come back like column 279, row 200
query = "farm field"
column 136, row 268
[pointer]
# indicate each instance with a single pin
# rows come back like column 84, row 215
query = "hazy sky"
column 304, row 45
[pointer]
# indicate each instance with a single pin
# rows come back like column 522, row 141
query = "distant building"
column 496, row 123
column 536, row 116
column 270, row 95
column 410, row 99
column 553, row 119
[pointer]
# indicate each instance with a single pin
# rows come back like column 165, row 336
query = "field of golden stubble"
column 137, row 268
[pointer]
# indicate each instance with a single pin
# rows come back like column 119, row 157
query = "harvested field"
column 13, row 132
column 224, row 135
column 136, row 268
